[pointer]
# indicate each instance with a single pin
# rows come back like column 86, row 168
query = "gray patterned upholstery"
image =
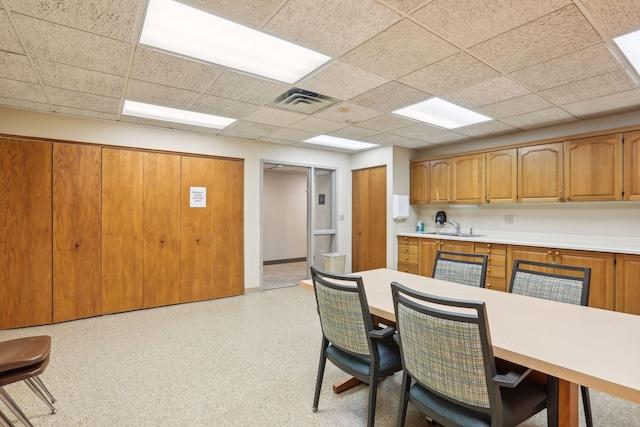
column 547, row 287
column 458, row 272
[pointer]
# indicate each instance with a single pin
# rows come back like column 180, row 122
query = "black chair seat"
column 389, row 359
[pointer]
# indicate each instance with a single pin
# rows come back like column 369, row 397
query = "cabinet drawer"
column 491, row 248
column 408, row 258
column 496, row 272
column 407, row 250
column 497, row 260
column 406, row 240
column 408, row 268
column 496, row 283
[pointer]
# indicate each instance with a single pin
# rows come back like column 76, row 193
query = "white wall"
column 285, row 216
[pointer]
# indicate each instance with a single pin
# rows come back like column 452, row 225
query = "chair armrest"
column 512, row 378
column 382, row 333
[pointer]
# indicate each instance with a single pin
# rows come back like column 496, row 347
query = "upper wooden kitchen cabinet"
column 540, row 173
column 419, row 183
column 502, row 176
column 627, row 289
column 632, row 166
column 161, row 229
column 77, row 243
column 468, row 179
column 25, row 233
column 427, row 249
column 122, row 230
column 593, row 169
column 440, row 173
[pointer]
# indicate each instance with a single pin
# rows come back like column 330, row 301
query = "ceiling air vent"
column 303, row 101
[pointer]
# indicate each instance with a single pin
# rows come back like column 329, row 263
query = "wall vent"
column 303, row 101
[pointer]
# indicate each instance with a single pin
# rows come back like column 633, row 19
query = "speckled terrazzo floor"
column 242, row 361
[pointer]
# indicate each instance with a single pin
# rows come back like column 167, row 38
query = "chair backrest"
column 344, row 311
column 463, row 268
column 446, row 347
column 566, row 284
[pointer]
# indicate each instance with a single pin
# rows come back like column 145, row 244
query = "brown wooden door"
column 228, row 211
column 369, row 218
column 122, row 230
column 77, row 234
column 540, row 177
column 627, row 289
column 593, row 169
column 427, row 249
column 502, row 176
column 25, row 233
column 419, row 184
column 632, row 166
column 161, row 229
column 468, row 179
column 441, row 177
column 602, row 286
column 197, row 224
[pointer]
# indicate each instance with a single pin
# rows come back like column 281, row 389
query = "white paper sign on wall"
column 198, row 197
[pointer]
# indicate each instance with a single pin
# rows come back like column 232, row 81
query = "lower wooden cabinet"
column 627, row 283
column 408, row 254
column 496, row 264
column 427, row 249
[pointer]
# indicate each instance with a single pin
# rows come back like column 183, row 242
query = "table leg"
column 563, row 403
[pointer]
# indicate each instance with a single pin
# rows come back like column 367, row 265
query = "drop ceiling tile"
column 114, row 18
column 8, row 39
column 453, row 73
column 47, row 41
column 68, row 111
column 556, row 34
column 224, row 107
column 341, row 80
column 575, row 66
column 151, row 93
column 246, row 88
column 511, row 107
column 488, row 92
column 414, row 144
column 145, row 122
column 332, row 27
column 83, row 101
column 423, row 132
column 253, row 13
column 594, row 87
column 317, row 125
column 384, row 139
column 249, row 130
column 616, row 17
column 467, row 23
column 348, row 113
column 16, row 67
column 275, row 117
column 406, row 6
column 353, row 132
column 277, row 141
column 292, row 135
column 25, row 91
column 387, row 122
column 25, row 105
column 79, row 79
column 609, row 104
column 172, row 70
column 197, row 129
column 486, row 129
column 390, row 97
column 400, row 50
column 542, row 118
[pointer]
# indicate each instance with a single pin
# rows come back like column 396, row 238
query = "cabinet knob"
column 197, row 239
column 407, row 258
column 549, row 252
column 488, row 270
column 488, row 251
column 487, row 285
column 161, row 240
column 77, row 244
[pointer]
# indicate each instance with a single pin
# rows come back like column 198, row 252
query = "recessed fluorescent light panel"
column 185, row 30
column 158, row 112
column 629, row 44
column 441, row 113
column 332, row 141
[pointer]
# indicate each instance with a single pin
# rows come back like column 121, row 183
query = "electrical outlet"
column 341, row 217
column 508, row 219
column 433, row 218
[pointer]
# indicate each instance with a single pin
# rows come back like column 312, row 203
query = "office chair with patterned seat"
column 463, row 268
column 570, row 286
column 449, row 368
column 349, row 339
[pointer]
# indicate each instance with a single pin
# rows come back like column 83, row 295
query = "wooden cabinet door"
column 632, row 166
column 502, row 176
column 197, row 231
column 122, row 230
column 593, row 169
column 228, row 211
column 468, row 179
column 419, row 184
column 161, row 230
column 540, row 177
column 627, row 287
column 441, row 177
column 369, row 220
column 602, row 287
column 25, row 233
column 427, row 249
column 527, row 253
column 77, row 235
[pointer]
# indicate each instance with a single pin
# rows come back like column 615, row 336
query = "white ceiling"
column 526, row 64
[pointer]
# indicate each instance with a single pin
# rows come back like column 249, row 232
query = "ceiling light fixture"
column 332, row 141
column 628, row 44
column 442, row 113
column 158, row 112
column 185, row 30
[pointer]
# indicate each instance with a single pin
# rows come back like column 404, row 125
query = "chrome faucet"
column 455, row 225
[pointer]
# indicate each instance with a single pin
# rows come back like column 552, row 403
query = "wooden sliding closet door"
column 77, row 243
column 25, row 233
column 122, row 230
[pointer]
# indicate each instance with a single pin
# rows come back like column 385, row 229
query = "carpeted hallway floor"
column 242, row 361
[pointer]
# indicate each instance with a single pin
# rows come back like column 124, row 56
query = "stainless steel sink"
column 444, row 233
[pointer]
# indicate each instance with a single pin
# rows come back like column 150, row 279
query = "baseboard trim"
column 249, row 291
column 284, row 261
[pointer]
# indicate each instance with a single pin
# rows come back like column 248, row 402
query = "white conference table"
column 596, row 348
